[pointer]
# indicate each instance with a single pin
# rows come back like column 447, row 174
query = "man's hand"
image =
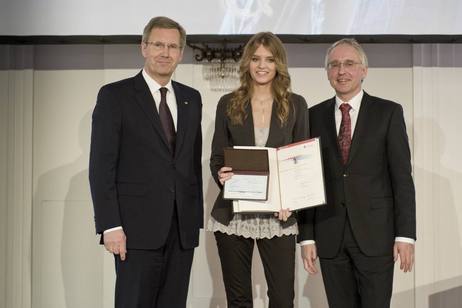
column 405, row 252
column 115, row 242
column 309, row 257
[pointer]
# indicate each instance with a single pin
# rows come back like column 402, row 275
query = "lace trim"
column 254, row 226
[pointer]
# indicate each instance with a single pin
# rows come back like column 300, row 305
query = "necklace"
column 260, row 109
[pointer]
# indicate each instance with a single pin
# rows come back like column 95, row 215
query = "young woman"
column 261, row 112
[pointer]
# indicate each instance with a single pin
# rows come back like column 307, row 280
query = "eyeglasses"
column 348, row 65
column 158, row 46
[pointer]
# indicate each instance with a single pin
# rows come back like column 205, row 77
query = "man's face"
column 345, row 71
column 162, row 53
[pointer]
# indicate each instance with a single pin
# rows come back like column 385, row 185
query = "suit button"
column 172, row 190
column 345, row 175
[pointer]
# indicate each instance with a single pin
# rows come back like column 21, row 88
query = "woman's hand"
column 224, row 174
column 283, row 214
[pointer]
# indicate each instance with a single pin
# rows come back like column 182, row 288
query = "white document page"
column 246, row 186
column 301, row 181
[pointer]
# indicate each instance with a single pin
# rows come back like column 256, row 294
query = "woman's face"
column 262, row 66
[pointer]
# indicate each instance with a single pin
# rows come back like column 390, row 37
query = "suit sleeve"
column 198, row 163
column 305, row 221
column 301, row 128
column 305, row 217
column 220, row 140
column 104, row 149
column 399, row 164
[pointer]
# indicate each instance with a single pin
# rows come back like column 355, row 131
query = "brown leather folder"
column 247, row 162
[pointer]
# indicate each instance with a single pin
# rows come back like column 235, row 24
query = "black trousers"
column 154, row 278
column 354, row 280
column 278, row 257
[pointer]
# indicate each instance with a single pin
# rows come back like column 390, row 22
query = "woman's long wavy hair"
column 280, row 86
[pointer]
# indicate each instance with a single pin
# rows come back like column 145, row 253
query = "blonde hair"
column 280, row 86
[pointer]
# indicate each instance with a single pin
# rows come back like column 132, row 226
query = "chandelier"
column 220, row 65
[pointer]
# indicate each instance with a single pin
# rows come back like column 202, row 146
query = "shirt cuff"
column 307, row 242
column 112, row 229
column 405, row 240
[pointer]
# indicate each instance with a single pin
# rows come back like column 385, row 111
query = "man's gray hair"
column 351, row 42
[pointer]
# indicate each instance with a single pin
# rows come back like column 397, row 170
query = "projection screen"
column 304, row 17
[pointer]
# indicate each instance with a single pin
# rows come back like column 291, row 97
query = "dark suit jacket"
column 228, row 135
column 135, row 180
column 375, row 187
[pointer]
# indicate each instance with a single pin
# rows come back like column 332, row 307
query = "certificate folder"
column 250, row 174
column 296, row 179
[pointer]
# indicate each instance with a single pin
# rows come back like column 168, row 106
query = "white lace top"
column 254, row 226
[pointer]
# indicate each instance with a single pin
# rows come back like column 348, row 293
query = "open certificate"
column 296, row 179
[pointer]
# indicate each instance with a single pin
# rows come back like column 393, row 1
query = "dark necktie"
column 344, row 134
column 166, row 119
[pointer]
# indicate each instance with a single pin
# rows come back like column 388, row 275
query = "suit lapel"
column 274, row 129
column 361, row 124
column 145, row 100
column 248, row 136
column 183, row 116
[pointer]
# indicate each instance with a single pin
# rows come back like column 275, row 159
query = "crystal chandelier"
column 220, row 65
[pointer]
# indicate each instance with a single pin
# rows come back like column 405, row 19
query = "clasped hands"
column 225, row 173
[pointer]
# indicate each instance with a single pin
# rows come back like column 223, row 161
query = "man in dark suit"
column 145, row 174
column 369, row 219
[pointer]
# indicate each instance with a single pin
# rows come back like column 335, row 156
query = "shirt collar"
column 354, row 102
column 153, row 85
